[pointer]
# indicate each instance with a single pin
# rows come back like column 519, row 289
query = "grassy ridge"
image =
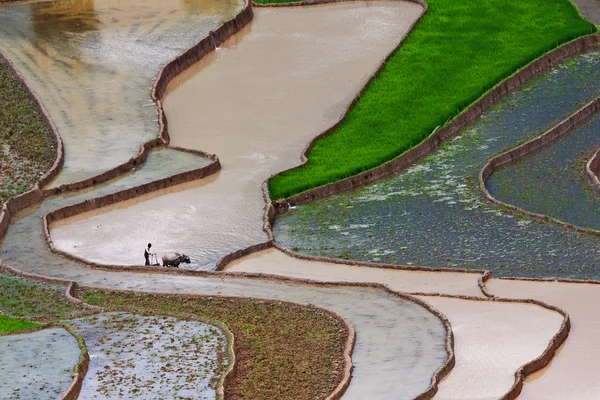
column 27, row 147
column 458, row 51
column 282, row 351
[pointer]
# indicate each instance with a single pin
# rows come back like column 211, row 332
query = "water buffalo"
column 174, row 259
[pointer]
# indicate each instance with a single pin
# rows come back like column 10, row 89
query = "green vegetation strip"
column 27, row 147
column 8, row 324
column 282, row 351
column 456, row 53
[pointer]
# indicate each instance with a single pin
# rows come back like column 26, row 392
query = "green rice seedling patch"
column 8, row 324
column 456, row 53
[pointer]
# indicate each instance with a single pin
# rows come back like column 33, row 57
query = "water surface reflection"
column 93, row 63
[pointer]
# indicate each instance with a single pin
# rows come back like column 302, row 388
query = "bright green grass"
column 8, row 324
column 457, row 52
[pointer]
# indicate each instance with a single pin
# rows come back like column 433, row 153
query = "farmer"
column 147, row 253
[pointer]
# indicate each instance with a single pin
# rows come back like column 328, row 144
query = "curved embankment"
column 555, row 200
column 152, row 356
column 515, row 366
column 272, row 112
column 573, row 371
column 166, row 74
column 493, row 339
column 113, row 48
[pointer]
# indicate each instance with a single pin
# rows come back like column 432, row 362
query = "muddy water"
column 432, row 214
column 573, row 373
column 492, row 341
column 135, row 356
column 93, row 64
column 255, row 104
column 399, row 344
column 554, row 182
column 590, row 9
column 25, row 237
column 37, row 365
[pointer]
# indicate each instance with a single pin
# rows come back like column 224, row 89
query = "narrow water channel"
column 432, row 214
column 93, row 63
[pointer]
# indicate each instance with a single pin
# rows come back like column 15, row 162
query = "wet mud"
column 274, row 262
column 93, row 63
column 255, row 103
column 37, row 365
column 432, row 214
column 135, row 356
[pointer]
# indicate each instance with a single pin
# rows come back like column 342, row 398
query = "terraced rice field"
column 415, row 284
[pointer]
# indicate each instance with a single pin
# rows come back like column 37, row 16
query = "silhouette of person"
column 147, row 253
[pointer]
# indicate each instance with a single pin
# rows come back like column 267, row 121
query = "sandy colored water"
column 93, row 63
column 573, row 373
column 256, row 104
column 590, row 9
column 37, row 365
column 492, row 340
column 274, row 262
column 395, row 338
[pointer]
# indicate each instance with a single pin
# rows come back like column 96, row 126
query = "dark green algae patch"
column 433, row 214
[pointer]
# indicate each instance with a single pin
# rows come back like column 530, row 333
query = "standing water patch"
column 554, row 181
column 37, row 365
column 93, row 64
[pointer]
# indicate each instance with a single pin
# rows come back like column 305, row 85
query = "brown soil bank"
column 282, row 351
column 27, row 146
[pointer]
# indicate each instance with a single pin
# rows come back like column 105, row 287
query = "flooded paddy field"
column 37, row 365
column 554, row 182
column 241, row 104
column 432, row 214
column 93, row 64
column 135, row 356
column 574, row 369
column 399, row 344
